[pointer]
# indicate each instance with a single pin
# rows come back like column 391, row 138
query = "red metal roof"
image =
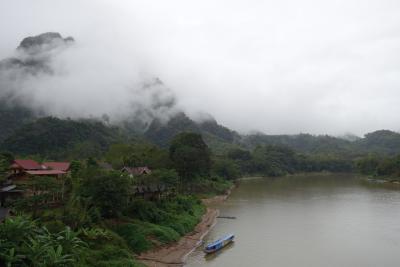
column 27, row 164
column 46, row 172
column 61, row 166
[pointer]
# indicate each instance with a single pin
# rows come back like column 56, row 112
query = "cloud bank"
column 277, row 66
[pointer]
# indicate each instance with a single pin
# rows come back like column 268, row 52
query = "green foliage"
column 12, row 116
column 239, row 154
column 147, row 155
column 216, row 135
column 214, row 186
column 137, row 154
column 159, row 222
column 166, row 177
column 80, row 212
column 226, row 168
column 134, row 236
column 367, row 165
column 381, row 142
column 24, row 243
column 273, row 160
column 109, row 191
column 190, row 156
column 388, row 167
column 54, row 137
column 75, row 167
column 106, row 248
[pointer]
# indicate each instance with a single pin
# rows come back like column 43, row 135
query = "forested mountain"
column 383, row 142
column 305, row 143
column 53, row 137
column 12, row 117
column 214, row 134
column 380, row 142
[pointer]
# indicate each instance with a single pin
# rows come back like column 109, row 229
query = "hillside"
column 216, row 135
column 383, row 142
column 57, row 138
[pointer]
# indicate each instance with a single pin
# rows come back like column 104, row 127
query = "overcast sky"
column 284, row 66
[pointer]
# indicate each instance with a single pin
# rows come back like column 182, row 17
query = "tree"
column 108, row 191
column 389, row 166
column 6, row 159
column 367, row 165
column 273, row 160
column 137, row 155
column 147, row 155
column 226, row 168
column 190, row 156
column 239, row 154
column 167, row 177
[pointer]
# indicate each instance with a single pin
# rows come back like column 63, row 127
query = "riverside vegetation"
column 92, row 216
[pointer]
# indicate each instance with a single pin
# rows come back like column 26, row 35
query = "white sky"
column 284, row 66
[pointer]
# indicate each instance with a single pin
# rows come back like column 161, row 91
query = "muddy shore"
column 175, row 254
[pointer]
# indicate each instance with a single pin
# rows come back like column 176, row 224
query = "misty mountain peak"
column 43, row 42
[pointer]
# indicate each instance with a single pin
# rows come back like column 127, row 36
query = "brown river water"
column 306, row 221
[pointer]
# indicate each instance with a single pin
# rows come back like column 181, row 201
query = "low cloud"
column 279, row 67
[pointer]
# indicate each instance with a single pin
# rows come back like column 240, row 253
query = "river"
column 307, row 221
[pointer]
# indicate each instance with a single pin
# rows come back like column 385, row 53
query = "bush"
column 134, row 236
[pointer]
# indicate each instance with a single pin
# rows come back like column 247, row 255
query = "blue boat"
column 218, row 244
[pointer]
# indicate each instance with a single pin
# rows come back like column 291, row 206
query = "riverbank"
column 175, row 254
column 389, row 181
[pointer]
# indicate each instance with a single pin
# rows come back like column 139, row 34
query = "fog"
column 276, row 66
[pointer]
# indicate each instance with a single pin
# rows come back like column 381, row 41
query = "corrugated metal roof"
column 27, row 164
column 61, row 166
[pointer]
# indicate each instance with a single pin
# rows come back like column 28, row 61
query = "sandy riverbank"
column 174, row 255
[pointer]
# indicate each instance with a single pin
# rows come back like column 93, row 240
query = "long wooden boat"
column 218, row 244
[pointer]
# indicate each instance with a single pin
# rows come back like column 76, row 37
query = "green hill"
column 53, row 137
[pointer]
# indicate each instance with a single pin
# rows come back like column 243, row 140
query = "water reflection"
column 213, row 256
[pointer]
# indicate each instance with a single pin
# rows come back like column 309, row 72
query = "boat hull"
column 219, row 244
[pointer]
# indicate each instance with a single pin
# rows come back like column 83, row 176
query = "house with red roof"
column 28, row 167
column 21, row 165
column 60, row 166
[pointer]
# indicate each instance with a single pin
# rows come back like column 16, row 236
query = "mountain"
column 383, row 142
column 34, row 54
column 305, row 143
column 25, row 130
column 54, row 138
column 215, row 135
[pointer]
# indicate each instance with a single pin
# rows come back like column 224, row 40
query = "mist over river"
column 308, row 220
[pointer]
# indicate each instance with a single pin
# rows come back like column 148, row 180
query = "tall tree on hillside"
column 190, row 156
column 107, row 191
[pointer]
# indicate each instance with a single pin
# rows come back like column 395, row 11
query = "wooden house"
column 26, row 167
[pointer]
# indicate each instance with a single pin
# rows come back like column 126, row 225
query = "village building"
column 60, row 166
column 136, row 171
column 22, row 168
